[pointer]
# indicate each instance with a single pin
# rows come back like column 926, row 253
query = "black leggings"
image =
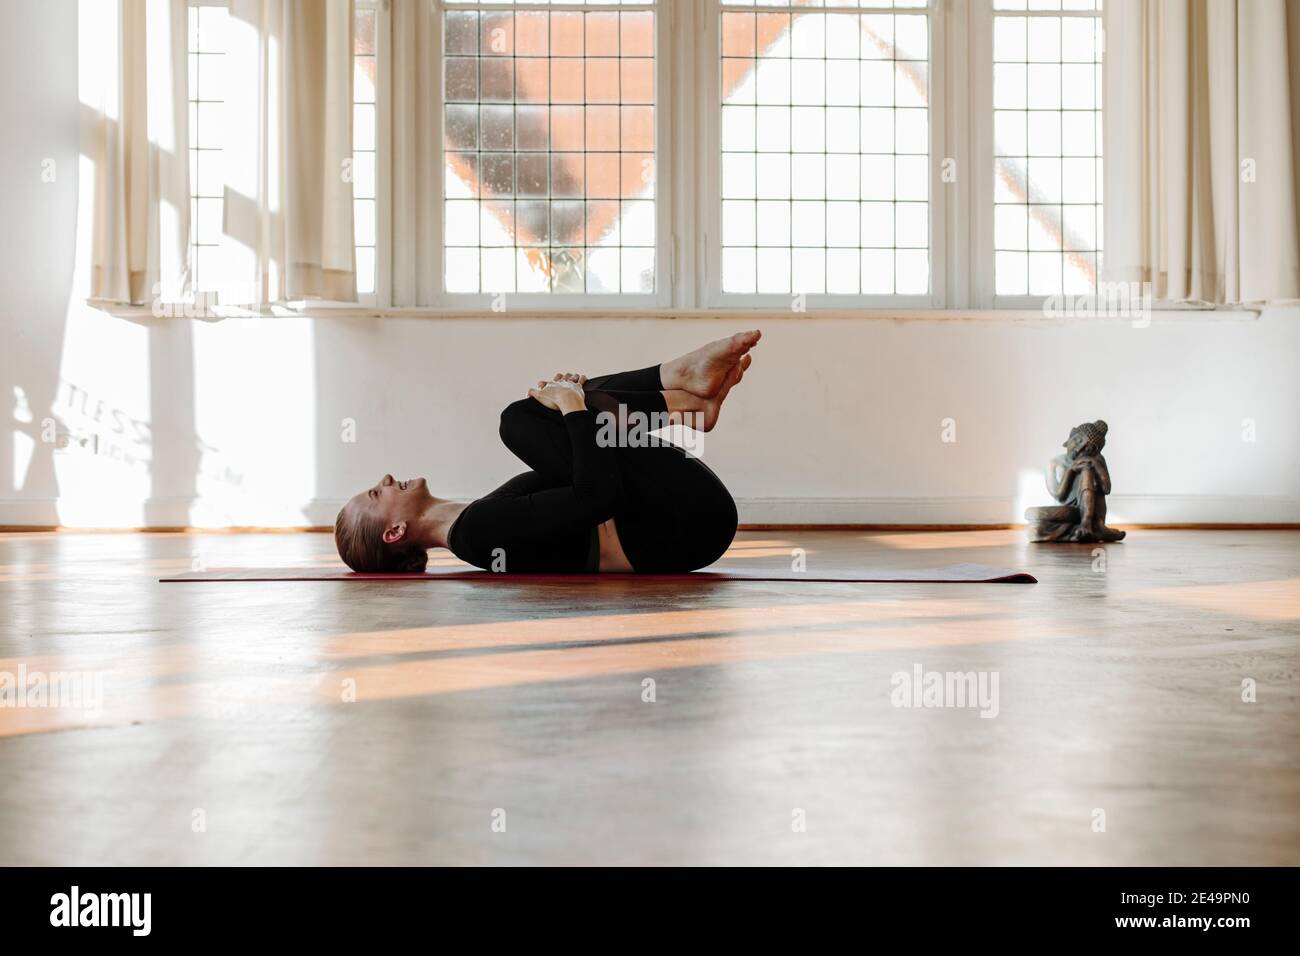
column 674, row 514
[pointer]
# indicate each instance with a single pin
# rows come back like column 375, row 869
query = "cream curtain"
column 288, row 197
column 416, row 165
column 135, row 131
column 1202, row 140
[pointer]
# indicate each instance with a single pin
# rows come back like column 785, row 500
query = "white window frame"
column 981, row 282
column 662, row 297
column 195, row 294
column 382, row 296
column 688, row 171
column 709, row 227
column 383, row 155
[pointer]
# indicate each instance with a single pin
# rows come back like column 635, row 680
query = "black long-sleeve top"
column 534, row 524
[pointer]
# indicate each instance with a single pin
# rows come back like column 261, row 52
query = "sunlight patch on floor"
column 1258, row 600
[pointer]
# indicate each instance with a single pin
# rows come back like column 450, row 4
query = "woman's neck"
column 436, row 521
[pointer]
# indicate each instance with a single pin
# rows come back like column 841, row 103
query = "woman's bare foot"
column 713, row 406
column 703, row 371
column 684, row 408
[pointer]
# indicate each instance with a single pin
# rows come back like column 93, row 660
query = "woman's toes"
column 740, row 343
column 731, row 378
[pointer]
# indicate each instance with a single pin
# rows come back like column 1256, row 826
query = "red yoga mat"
column 951, row 574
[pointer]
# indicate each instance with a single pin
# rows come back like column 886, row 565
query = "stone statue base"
column 1062, row 523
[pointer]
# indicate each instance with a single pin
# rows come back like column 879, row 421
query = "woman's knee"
column 520, row 418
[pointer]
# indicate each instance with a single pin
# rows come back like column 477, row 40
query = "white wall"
column 840, row 420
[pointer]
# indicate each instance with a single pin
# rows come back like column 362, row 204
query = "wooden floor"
column 227, row 733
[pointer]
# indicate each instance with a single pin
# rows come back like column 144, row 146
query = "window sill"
column 146, row 314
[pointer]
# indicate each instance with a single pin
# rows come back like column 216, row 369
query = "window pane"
column 550, row 140
column 206, row 53
column 827, row 174
column 1047, row 149
column 365, row 208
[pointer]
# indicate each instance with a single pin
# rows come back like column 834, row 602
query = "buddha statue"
column 1080, row 481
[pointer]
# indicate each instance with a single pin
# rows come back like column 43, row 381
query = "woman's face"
column 391, row 501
